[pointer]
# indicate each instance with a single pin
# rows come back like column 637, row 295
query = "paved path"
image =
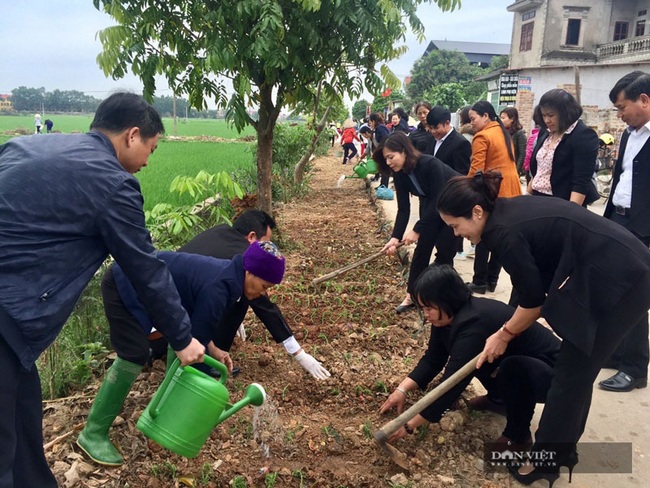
column 614, row 417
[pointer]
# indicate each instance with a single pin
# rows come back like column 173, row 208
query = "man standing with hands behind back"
column 67, row 201
column 629, row 205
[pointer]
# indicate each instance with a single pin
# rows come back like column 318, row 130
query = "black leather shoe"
column 623, row 382
column 480, row 289
column 491, row 286
column 404, row 308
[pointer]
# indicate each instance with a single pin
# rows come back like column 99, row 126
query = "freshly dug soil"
column 309, row 433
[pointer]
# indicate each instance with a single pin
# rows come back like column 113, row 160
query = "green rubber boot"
column 94, row 439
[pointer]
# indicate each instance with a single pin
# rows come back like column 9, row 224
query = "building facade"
column 584, row 46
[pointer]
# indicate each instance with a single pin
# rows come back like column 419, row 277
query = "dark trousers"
column 633, row 353
column 486, row 266
column 349, row 151
column 569, row 397
column 128, row 338
column 444, row 241
column 22, row 460
column 460, row 241
column 384, row 179
column 523, row 381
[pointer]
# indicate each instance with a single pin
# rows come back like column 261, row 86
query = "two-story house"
column 583, row 46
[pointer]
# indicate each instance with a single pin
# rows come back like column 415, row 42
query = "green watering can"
column 363, row 169
column 188, row 406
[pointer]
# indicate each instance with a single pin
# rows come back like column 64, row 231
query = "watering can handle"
column 210, row 361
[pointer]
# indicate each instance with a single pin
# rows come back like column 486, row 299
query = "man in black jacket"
column 628, row 205
column 224, row 242
column 451, row 147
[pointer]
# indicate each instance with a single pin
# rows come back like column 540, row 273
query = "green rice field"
column 81, row 123
column 172, row 158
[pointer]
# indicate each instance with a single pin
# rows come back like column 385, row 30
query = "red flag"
column 387, row 92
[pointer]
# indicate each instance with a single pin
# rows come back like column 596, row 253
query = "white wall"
column 596, row 81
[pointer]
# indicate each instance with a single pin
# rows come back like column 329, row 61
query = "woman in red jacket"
column 347, row 141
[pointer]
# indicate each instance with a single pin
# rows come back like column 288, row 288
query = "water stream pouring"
column 188, row 406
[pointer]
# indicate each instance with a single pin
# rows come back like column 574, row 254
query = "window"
column 640, row 28
column 528, row 16
column 642, row 13
column 526, row 41
column 620, row 30
column 573, row 32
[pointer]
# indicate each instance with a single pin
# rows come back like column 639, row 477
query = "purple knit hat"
column 263, row 259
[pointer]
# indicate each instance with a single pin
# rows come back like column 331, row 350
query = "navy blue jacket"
column 225, row 242
column 65, row 204
column 208, row 287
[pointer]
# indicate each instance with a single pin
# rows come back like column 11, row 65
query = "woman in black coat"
column 423, row 176
column 460, row 325
column 420, row 137
column 564, row 157
column 587, row 276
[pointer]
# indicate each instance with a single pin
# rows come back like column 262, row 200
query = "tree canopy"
column 359, row 109
column 25, row 99
column 381, row 103
column 274, row 52
column 440, row 67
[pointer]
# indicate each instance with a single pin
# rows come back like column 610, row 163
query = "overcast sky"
column 51, row 43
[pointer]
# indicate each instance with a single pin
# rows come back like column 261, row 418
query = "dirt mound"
column 310, row 433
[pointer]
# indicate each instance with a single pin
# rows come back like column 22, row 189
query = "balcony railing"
column 633, row 47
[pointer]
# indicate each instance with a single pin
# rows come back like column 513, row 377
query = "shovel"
column 382, row 435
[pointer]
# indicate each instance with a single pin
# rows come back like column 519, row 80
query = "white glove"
column 241, row 333
column 312, row 366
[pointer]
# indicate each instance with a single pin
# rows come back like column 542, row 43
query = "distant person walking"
column 348, row 137
column 38, row 123
column 48, row 125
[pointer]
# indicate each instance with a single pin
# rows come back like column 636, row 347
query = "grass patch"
column 68, row 123
column 173, row 158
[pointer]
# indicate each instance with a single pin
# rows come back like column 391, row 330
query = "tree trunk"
column 268, row 116
column 299, row 170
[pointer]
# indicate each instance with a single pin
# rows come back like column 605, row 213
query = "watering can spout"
column 254, row 395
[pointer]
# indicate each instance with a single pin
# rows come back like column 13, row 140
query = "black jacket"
column 224, row 242
column 459, row 342
column 431, row 175
column 639, row 222
column 574, row 161
column 66, row 203
column 456, row 152
column 422, row 140
column 563, row 257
